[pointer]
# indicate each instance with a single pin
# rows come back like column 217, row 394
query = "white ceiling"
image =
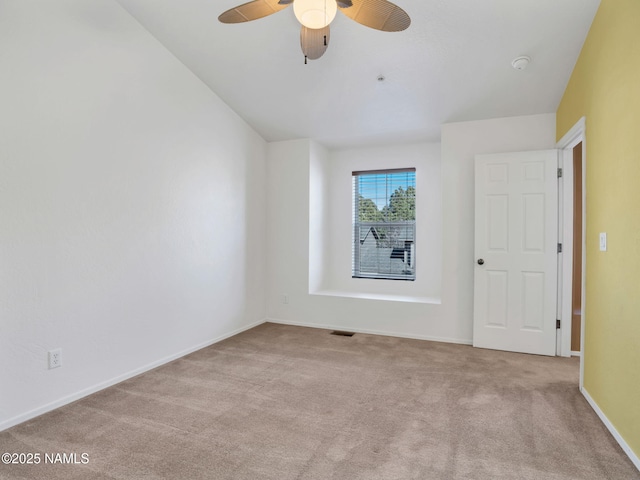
column 452, row 64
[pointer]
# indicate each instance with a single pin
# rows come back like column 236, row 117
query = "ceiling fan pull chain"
column 305, row 59
column 325, row 40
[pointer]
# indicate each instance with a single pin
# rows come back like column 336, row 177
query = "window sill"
column 377, row 296
column 379, row 277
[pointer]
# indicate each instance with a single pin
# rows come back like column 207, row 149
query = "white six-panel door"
column 516, row 223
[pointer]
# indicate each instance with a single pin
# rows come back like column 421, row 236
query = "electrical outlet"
column 55, row 358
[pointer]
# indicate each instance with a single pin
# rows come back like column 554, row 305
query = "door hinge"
column 559, row 248
column 559, row 173
column 557, row 323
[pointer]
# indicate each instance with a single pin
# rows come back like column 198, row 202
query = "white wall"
column 133, row 211
column 319, row 206
column 297, row 207
column 336, row 305
column 425, row 158
column 460, row 143
column 132, row 205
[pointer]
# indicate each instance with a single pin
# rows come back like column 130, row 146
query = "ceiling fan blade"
column 379, row 14
column 252, row 11
column 314, row 42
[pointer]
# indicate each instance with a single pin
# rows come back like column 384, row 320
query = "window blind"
column 384, row 224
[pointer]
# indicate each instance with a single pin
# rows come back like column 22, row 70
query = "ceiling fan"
column 316, row 15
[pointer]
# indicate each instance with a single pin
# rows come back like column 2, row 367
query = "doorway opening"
column 571, row 292
column 576, row 277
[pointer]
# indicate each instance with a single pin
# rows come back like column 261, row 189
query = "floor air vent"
column 342, row 333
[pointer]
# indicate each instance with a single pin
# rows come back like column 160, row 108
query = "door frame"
column 575, row 136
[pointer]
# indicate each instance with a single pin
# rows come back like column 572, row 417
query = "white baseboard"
column 120, row 378
column 625, row 446
column 576, row 354
column 373, row 332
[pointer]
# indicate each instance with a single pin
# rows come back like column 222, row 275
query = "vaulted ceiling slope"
column 452, row 64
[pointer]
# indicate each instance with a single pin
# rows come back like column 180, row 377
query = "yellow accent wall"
column 605, row 88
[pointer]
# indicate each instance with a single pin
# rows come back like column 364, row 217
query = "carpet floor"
column 282, row 403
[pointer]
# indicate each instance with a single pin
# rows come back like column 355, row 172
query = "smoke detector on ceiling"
column 520, row 63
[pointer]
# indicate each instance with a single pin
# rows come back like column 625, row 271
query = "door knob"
column 480, row 261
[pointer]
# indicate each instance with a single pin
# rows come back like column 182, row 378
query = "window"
column 384, row 224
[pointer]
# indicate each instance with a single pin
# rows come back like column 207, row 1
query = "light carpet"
column 283, row 403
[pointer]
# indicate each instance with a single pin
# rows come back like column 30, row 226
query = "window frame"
column 409, row 247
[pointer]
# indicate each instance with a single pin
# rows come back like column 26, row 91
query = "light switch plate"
column 603, row 241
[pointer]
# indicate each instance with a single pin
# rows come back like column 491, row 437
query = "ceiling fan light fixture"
column 315, row 14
